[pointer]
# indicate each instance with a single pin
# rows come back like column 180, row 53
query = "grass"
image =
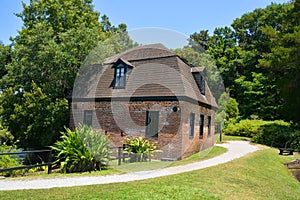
column 144, row 166
column 56, row 174
column 230, row 137
column 260, row 175
column 203, row 155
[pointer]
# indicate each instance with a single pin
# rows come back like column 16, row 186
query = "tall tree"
column 5, row 58
column 55, row 39
column 237, row 51
column 33, row 117
column 284, row 59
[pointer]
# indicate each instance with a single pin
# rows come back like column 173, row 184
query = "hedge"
column 276, row 133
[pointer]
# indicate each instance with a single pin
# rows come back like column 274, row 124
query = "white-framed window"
column 120, row 76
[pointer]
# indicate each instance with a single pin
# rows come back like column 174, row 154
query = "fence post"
column 119, row 155
column 50, row 162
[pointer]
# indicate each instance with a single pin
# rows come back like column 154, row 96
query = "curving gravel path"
column 236, row 149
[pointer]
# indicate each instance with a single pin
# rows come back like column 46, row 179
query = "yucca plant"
column 82, row 150
column 140, row 147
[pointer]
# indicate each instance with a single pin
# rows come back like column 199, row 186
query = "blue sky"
column 185, row 17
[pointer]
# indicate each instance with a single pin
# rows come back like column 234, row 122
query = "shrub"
column 295, row 142
column 140, row 147
column 8, row 161
column 6, row 137
column 276, row 133
column 247, row 128
column 82, row 150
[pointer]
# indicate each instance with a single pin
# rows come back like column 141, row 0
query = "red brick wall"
column 130, row 118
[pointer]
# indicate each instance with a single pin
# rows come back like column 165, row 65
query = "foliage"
column 258, row 97
column 82, row 150
column 279, row 134
column 5, row 58
column 8, row 161
column 276, row 133
column 241, row 50
column 232, row 111
column 283, row 58
column 140, row 147
column 246, row 128
column 40, row 66
column 227, row 113
column 32, row 117
column 6, row 137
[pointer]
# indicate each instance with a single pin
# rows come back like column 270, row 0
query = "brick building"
column 148, row 91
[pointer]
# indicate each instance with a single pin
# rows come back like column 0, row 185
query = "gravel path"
column 236, row 149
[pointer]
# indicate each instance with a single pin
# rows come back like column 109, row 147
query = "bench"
column 289, row 151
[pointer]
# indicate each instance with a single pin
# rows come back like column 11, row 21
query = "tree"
column 5, row 58
column 33, row 119
column 199, row 41
column 237, row 51
column 284, row 59
column 55, row 39
column 232, row 110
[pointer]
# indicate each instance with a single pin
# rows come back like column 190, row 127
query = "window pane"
column 201, row 124
column 192, row 122
column 209, row 125
column 88, row 117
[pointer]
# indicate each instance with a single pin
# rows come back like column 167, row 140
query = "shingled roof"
column 157, row 73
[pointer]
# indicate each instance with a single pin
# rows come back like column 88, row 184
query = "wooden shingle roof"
column 157, row 73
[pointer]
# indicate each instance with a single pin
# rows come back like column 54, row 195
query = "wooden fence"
column 27, row 166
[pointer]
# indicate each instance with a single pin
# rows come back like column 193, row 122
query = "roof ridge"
column 161, row 51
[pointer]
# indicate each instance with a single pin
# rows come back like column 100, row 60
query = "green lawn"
column 230, row 137
column 144, row 166
column 260, row 175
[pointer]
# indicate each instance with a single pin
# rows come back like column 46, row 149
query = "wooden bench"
column 289, row 151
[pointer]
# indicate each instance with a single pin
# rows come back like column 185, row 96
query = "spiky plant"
column 82, row 150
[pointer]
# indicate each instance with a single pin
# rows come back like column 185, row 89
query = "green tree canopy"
column 33, row 117
column 56, row 37
column 284, row 58
column 237, row 52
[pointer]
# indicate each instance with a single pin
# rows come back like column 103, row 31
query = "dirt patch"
column 294, row 167
column 296, row 174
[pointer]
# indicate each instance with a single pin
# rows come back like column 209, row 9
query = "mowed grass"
column 230, row 137
column 145, row 166
column 260, row 175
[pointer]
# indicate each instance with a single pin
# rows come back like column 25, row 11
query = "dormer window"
column 198, row 74
column 120, row 79
column 202, row 85
column 122, row 67
column 200, row 82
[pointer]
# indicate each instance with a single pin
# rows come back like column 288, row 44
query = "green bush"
column 6, row 137
column 8, row 161
column 276, row 133
column 246, row 128
column 295, row 142
column 82, row 150
column 140, row 148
